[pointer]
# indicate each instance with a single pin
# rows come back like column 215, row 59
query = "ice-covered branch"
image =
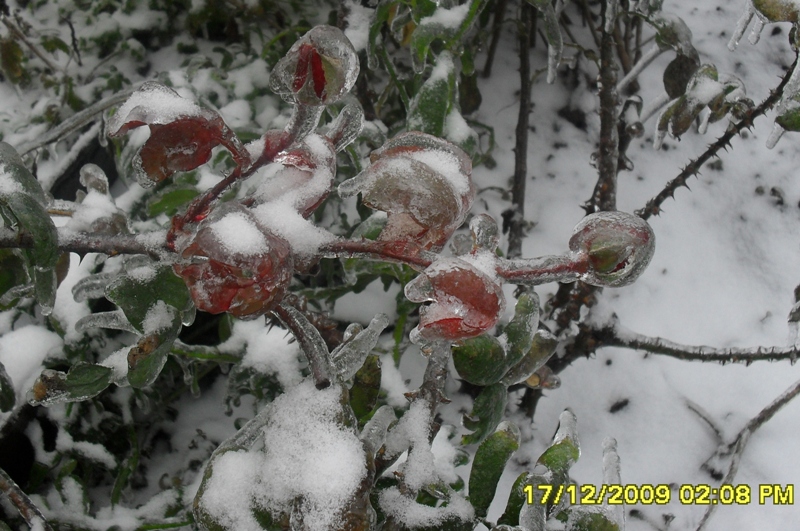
column 32, row 515
column 653, row 206
column 734, row 450
column 640, row 65
column 110, row 244
column 311, row 343
column 616, row 336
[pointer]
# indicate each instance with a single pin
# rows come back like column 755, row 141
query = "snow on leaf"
column 182, row 134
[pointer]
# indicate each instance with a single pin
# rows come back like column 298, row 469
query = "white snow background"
column 726, row 263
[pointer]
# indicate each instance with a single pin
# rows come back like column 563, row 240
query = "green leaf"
column 148, row 356
column 86, row 380
column 564, row 451
column 22, row 205
column 52, row 43
column 12, row 270
column 488, row 465
column 137, row 291
column 590, row 519
column 429, row 108
column 169, row 200
column 542, row 348
column 487, row 412
column 11, row 59
column 480, row 360
column 521, row 329
column 366, row 387
column 516, row 499
column 7, row 394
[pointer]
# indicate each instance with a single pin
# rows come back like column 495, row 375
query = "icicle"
column 611, row 476
column 374, row 433
column 347, row 125
column 553, row 58
column 741, row 25
column 115, row 320
column 612, row 8
column 703, row 127
column 348, row 358
column 775, row 135
column 567, row 428
column 758, row 27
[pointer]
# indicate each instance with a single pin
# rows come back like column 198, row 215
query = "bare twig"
column 614, row 336
column 497, row 26
column 693, row 168
column 32, row 515
column 75, row 121
column 17, row 33
column 517, row 218
column 734, row 450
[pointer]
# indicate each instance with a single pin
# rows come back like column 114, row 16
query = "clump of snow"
column 310, row 455
column 267, row 350
column 228, row 497
column 117, row 361
column 413, row 514
column 303, row 236
column 159, row 316
column 67, row 311
column 358, row 19
column 95, row 452
column 95, row 206
column 22, row 352
column 448, row 18
column 153, row 103
column 238, row 235
column 236, row 113
column 8, row 186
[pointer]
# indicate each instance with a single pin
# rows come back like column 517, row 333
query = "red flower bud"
column 233, row 264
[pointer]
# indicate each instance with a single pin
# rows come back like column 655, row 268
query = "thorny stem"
column 32, row 515
column 614, row 336
column 653, row 206
column 604, row 196
column 517, row 221
column 736, row 448
column 311, row 344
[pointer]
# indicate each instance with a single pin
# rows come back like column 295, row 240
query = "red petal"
column 319, row 74
column 301, row 71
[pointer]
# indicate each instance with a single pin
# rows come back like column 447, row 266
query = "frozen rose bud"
column 182, row 134
column 778, row 10
column 465, row 301
column 233, row 264
column 423, row 183
column 319, row 69
column 616, row 247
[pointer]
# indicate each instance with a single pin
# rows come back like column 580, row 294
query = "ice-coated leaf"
column 432, row 104
column 488, row 465
column 12, row 270
column 23, row 207
column 616, row 245
column 139, row 289
column 591, row 519
column 778, row 10
column 348, row 357
column 480, row 360
column 542, row 347
column 672, row 32
column 555, row 42
column 565, row 449
column 520, row 331
column 7, row 394
column 114, row 320
column 366, row 387
column 611, row 476
column 374, row 433
column 182, row 134
column 516, row 499
column 148, row 356
column 347, row 125
column 83, row 381
column 169, row 200
column 466, row 302
column 486, row 414
column 319, row 69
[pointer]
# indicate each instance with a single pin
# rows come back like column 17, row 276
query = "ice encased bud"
column 617, row 247
column 465, row 302
column 319, row 69
column 234, row 264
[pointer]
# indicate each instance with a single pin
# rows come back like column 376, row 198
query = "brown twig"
column 497, row 26
column 653, row 206
column 32, row 515
column 517, row 219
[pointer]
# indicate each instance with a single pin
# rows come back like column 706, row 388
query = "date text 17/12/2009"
column 662, row 494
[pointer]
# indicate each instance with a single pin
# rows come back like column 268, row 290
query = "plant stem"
column 736, row 448
column 640, row 65
column 653, row 206
column 311, row 343
column 517, row 221
column 68, row 241
column 497, row 26
column 32, row 515
column 615, row 336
